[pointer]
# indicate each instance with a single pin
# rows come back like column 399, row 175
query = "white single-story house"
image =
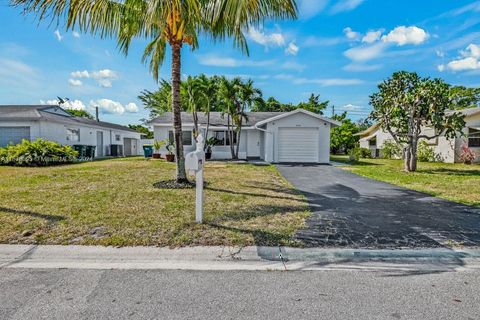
column 18, row 122
column 448, row 151
column 275, row 137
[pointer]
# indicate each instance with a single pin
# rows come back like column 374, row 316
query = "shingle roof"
column 216, row 118
column 37, row 112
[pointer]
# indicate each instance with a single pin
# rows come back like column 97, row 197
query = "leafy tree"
column 80, row 113
column 168, row 22
column 313, row 104
column 343, row 137
column 464, row 98
column 406, row 103
column 143, row 130
column 159, row 101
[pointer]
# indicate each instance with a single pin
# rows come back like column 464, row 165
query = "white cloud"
column 71, row 104
column 403, row 35
column 472, row 50
column 58, row 35
column 131, row 107
column 346, row 5
column 103, row 77
column 469, row 60
column 440, row 53
column 292, row 65
column 107, row 106
column 372, row 36
column 292, row 49
column 75, row 34
column 74, row 82
column 267, row 40
column 365, row 53
column 80, row 74
column 112, row 107
column 351, row 107
column 351, row 35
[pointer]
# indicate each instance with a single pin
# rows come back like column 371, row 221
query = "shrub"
column 467, row 155
column 37, row 153
column 425, row 153
column 365, row 153
column 391, row 150
column 354, row 154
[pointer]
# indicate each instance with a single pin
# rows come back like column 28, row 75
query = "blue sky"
column 338, row 49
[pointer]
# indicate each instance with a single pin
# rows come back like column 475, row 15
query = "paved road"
column 352, row 211
column 133, row 294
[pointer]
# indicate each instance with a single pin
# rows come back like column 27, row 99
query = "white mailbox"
column 194, row 162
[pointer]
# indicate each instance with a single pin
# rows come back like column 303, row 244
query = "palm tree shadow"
column 49, row 217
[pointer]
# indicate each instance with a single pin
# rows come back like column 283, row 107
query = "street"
column 164, row 294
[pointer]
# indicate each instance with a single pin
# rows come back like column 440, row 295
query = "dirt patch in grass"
column 114, row 202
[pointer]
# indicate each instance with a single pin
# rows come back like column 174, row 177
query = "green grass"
column 113, row 202
column 456, row 182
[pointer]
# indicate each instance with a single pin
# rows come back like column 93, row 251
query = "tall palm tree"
column 209, row 88
column 247, row 95
column 163, row 22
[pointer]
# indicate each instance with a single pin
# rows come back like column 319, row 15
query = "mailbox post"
column 194, row 163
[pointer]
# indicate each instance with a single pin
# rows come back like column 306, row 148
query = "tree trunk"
column 413, row 155
column 407, row 155
column 208, row 126
column 177, row 115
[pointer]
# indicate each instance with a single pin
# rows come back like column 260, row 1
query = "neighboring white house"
column 52, row 123
column 296, row 136
column 446, row 150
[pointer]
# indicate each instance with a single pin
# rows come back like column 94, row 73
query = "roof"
column 44, row 113
column 219, row 119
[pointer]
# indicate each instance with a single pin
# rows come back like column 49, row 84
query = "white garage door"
column 13, row 135
column 297, row 145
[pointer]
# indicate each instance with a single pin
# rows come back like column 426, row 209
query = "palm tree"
column 191, row 91
column 163, row 22
column 209, row 90
column 247, row 96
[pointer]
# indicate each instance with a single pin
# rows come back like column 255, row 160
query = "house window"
column 473, row 138
column 223, row 138
column 372, row 142
column 117, row 137
column 73, row 134
column 186, row 137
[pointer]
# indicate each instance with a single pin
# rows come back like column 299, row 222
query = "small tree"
column 343, row 137
column 406, row 104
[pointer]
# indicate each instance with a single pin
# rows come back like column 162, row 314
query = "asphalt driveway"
column 357, row 212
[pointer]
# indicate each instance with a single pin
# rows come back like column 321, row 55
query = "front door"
column 100, row 144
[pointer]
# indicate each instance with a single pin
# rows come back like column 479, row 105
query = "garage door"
column 13, row 135
column 297, row 145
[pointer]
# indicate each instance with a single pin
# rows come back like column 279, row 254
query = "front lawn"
column 456, row 182
column 114, row 202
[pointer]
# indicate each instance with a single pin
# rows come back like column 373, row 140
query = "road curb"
column 235, row 258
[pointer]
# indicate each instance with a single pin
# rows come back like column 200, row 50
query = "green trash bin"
column 81, row 149
column 90, row 151
column 148, row 151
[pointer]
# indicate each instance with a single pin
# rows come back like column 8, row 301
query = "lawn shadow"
column 251, row 194
column 453, row 172
column 48, row 217
column 261, row 237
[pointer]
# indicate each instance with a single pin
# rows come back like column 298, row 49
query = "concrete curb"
column 230, row 258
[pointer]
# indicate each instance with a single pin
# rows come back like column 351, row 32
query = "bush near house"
column 391, row 150
column 425, row 153
column 37, row 153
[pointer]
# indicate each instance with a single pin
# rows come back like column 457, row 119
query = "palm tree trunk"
column 208, row 125
column 177, row 115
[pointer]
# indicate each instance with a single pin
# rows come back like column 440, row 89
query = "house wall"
column 298, row 120
column 448, row 151
column 57, row 132
column 218, row 152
